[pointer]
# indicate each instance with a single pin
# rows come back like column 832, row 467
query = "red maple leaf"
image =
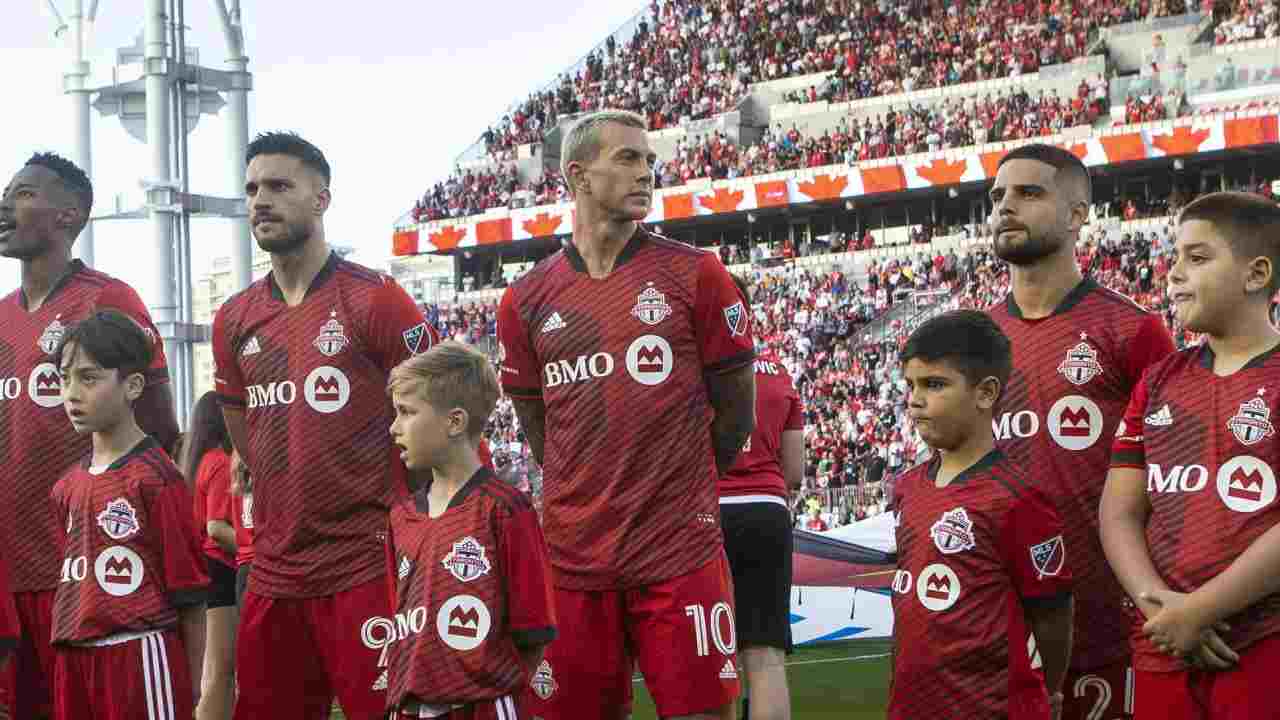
column 991, row 162
column 1123, row 148
column 1183, row 141
column 824, row 187
column 542, row 225
column 1078, row 149
column 941, row 172
column 723, row 200
column 448, row 237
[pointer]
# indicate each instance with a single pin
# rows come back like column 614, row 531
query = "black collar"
column 632, row 247
column 421, row 498
column 144, row 445
column 1207, row 357
column 74, row 267
column 984, row 463
column 316, row 283
column 1073, row 298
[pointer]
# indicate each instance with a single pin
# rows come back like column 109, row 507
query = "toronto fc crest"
column 954, row 532
column 331, row 339
column 651, row 306
column 1252, row 424
column 52, row 335
column 467, row 560
column 1081, row 364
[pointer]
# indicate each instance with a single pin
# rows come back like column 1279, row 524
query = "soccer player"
column 43, row 209
column 981, row 556
column 1189, row 517
column 756, row 519
column 465, row 554
column 128, row 616
column 1078, row 351
column 302, row 359
column 629, row 360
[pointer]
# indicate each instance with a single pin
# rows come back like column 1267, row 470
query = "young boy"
column 128, row 630
column 1189, row 516
column 465, row 554
column 981, row 559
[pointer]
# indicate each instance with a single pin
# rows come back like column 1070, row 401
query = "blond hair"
column 582, row 142
column 448, row 376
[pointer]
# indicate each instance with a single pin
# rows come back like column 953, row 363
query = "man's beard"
column 296, row 236
column 1028, row 252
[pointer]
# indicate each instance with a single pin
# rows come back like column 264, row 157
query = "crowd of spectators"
column 1248, row 20
column 475, row 191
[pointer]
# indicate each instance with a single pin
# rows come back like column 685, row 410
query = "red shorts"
column 28, row 676
column 294, row 655
column 1105, row 692
column 145, row 678
column 680, row 632
column 507, row 707
column 1242, row 693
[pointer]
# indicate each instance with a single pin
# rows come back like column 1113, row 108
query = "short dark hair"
column 111, row 339
column 1250, row 224
column 1064, row 161
column 293, row 145
column 74, row 180
column 967, row 340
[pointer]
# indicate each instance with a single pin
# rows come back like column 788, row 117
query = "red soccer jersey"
column 1211, row 452
column 37, row 442
column 630, row 493
column 970, row 557
column 758, row 470
column 212, row 501
column 242, row 513
column 311, row 381
column 131, row 557
column 473, row 589
column 1072, row 375
column 10, row 628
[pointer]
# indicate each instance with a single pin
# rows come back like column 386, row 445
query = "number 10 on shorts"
column 723, row 633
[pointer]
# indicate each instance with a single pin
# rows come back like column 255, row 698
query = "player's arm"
column 1036, row 557
column 223, row 534
column 533, row 421
column 237, row 430
column 229, row 385
column 1252, row 576
column 1052, row 624
column 793, row 457
column 733, row 397
column 529, row 595
column 185, row 578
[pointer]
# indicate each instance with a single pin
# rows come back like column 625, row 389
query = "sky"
column 390, row 90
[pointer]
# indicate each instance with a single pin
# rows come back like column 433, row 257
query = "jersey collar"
column 423, row 504
column 629, row 251
column 75, row 266
column 1073, row 298
column 317, row 282
column 1207, row 357
column 144, row 445
column 984, row 463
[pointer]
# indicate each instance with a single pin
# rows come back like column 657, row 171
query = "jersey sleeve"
column 397, row 327
column 529, row 599
column 1149, row 345
column 795, row 416
column 1127, row 449
column 228, row 383
column 518, row 365
column 1034, row 549
column 121, row 297
column 721, row 319
column 185, row 577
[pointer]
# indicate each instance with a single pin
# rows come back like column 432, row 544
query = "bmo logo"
column 327, row 389
column 580, row 369
column 10, row 388
column 273, row 393
column 1246, row 484
column 1178, row 479
column 1075, row 422
column 649, row 360
column 1021, row 424
column 938, row 587
column 44, row 386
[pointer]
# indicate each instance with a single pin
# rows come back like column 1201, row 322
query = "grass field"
column 848, row 680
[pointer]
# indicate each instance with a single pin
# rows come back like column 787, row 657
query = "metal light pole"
column 237, row 138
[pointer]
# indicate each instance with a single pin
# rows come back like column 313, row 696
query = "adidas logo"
column 1160, row 418
column 251, row 348
column 728, row 672
column 405, row 567
column 553, row 323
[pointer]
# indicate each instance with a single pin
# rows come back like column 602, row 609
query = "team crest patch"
column 52, row 335
column 651, row 306
column 954, row 532
column 1081, row 364
column 118, row 521
column 331, row 339
column 467, row 560
column 413, row 338
column 1048, row 557
column 1252, row 424
column 735, row 316
column 543, row 682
